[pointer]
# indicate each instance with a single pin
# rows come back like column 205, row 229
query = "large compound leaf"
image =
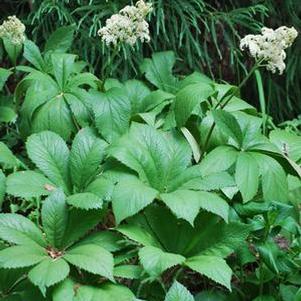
column 93, row 259
column 49, row 272
column 28, row 184
column 130, row 196
column 50, row 154
column 85, row 157
column 17, row 229
column 178, row 292
column 112, row 111
column 158, row 70
column 85, row 201
column 33, row 55
column 55, row 218
column 186, row 204
column 213, row 267
column 156, row 156
column 155, row 261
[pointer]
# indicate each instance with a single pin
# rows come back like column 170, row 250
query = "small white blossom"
column 270, row 46
column 128, row 25
column 13, row 30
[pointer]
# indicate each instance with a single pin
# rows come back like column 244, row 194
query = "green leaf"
column 64, row 291
column 106, row 239
column 55, row 218
column 155, row 261
column 93, row 259
column 7, row 114
column 219, row 239
column 21, row 256
column 196, row 151
column 137, row 91
column 287, row 143
column 112, row 111
column 219, row 159
column 61, row 39
column 4, row 75
column 62, row 67
column 128, row 271
column 7, row 158
column 158, row 70
column 2, row 188
column 28, row 184
column 138, row 234
column 247, row 176
column 49, row 272
column 188, row 99
column 156, row 156
column 228, row 124
column 186, row 204
column 85, row 157
column 17, row 229
column 178, row 292
column 50, row 154
column 85, row 201
column 107, row 292
column 33, row 55
column 79, row 223
column 130, row 196
column 274, row 180
column 213, row 267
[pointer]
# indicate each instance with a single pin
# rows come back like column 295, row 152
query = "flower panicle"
column 13, row 30
column 128, row 26
column 270, row 46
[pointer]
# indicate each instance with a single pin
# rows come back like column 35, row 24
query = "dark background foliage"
column 204, row 34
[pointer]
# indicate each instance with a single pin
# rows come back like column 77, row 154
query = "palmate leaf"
column 178, row 292
column 155, row 261
column 54, row 218
column 93, row 259
column 28, row 184
column 112, row 111
column 186, row 204
column 33, row 55
column 85, row 157
column 21, row 256
column 48, row 272
column 130, row 196
column 50, row 154
column 213, row 267
column 17, row 229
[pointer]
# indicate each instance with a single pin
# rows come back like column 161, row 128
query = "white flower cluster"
column 270, row 46
column 13, row 30
column 128, row 25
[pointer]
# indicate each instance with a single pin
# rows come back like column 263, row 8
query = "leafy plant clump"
column 161, row 189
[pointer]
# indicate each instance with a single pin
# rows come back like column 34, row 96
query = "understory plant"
column 163, row 188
